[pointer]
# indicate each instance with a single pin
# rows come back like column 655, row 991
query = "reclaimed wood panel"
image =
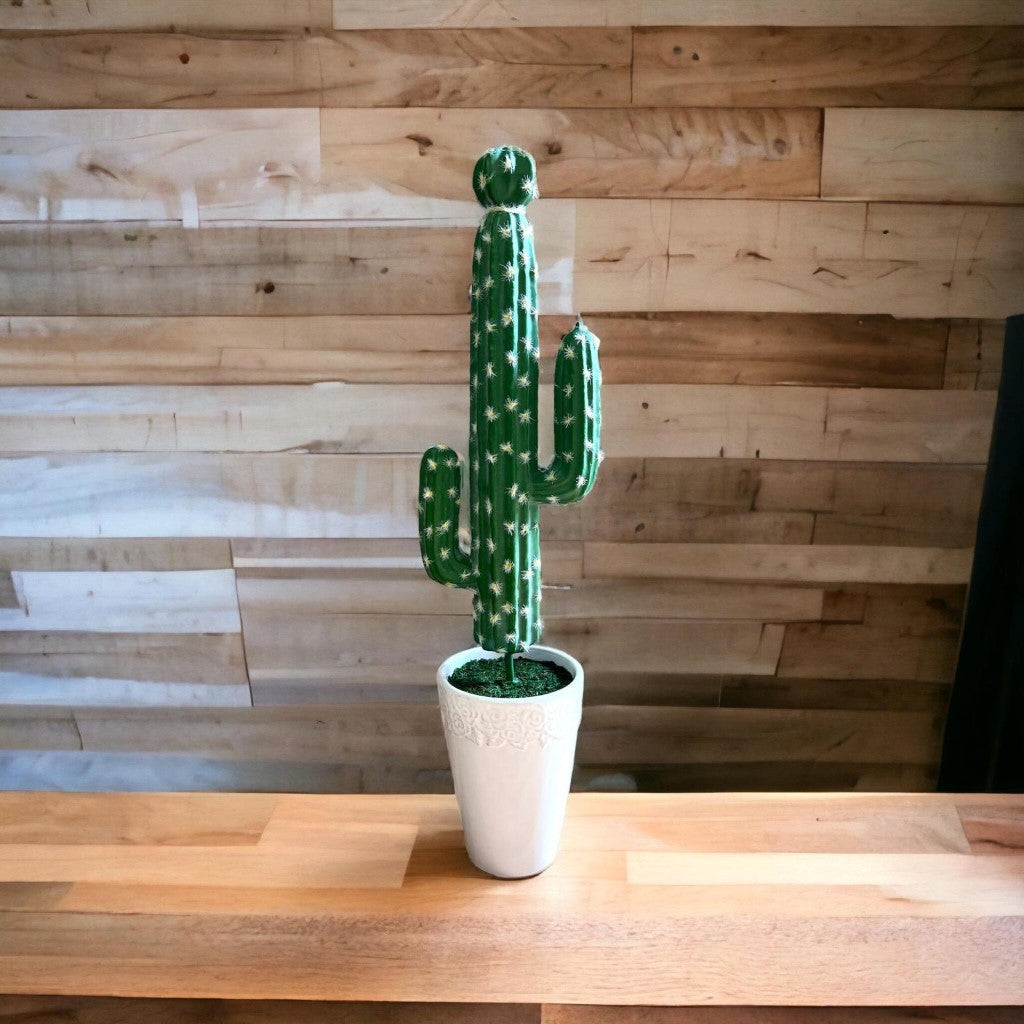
column 296, row 653
column 671, row 348
column 974, row 355
column 75, row 668
column 361, row 734
column 514, row 67
column 209, row 495
column 408, row 592
column 353, row 14
column 272, row 558
column 92, row 165
column 662, row 151
column 29, row 728
column 844, row 65
column 200, row 601
column 842, row 651
column 235, row 349
column 799, row 392
column 87, row 772
column 808, row 563
column 609, row 735
column 655, row 420
column 851, row 694
column 77, row 554
column 199, row 495
column 831, row 257
column 163, row 16
column 950, row 156
column 785, row 502
column 777, row 348
column 651, row 735
column 169, row 271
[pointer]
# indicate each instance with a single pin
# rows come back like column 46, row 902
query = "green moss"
column 485, row 677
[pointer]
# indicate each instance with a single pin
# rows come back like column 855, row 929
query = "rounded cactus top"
column 505, row 176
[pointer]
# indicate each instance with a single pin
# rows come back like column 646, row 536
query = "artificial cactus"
column 506, row 483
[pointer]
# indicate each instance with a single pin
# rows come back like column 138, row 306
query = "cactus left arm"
column 438, row 504
column 572, row 471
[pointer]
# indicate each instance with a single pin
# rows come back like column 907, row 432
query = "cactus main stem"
column 506, row 483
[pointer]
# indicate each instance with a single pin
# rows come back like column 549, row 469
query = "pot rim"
column 478, row 652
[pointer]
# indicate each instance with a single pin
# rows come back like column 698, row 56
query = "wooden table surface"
column 753, row 899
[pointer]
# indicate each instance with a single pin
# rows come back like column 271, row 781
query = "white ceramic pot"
column 512, row 762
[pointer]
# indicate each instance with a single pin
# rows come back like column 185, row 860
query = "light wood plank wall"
column 233, row 271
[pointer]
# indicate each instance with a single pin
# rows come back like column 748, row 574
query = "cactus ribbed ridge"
column 506, row 483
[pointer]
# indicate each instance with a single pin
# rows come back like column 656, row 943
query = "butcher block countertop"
column 743, row 899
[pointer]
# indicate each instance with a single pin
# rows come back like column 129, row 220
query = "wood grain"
column 199, row 601
column 142, row 165
column 854, row 695
column 134, row 819
column 234, row 350
column 611, row 737
column 29, row 728
column 8, row 595
column 98, row 1010
column 654, row 420
column 407, row 735
column 830, row 257
column 77, row 771
column 164, row 16
column 515, row 67
column 77, row 554
column 123, row 669
column 783, row 502
column 566, row 1014
column 960, row 156
column 672, row 348
column 656, row 867
column 367, row 857
column 837, row 940
column 841, row 651
column 209, row 495
column 817, row 563
column 781, row 348
column 658, row 735
column 361, row 14
column 406, row 592
column 974, row 355
column 992, row 830
column 662, row 151
column 234, row 305
column 256, row 558
column 783, row 824
column 159, row 270
column 840, row 65
column 312, row 653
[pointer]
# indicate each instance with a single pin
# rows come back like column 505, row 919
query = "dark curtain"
column 984, row 742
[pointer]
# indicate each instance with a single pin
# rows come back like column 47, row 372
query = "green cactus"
column 506, row 483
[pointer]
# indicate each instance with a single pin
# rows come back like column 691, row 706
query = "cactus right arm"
column 571, row 473
column 438, row 503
